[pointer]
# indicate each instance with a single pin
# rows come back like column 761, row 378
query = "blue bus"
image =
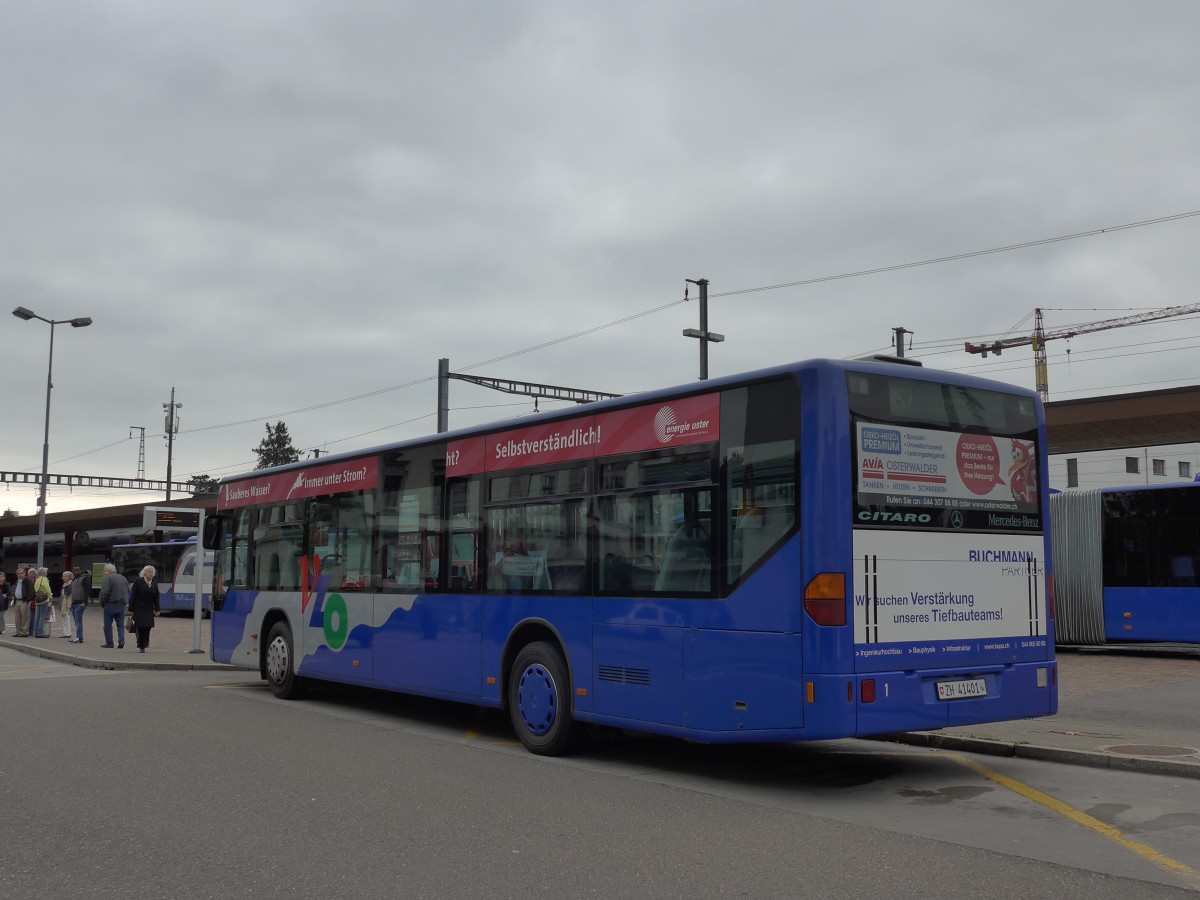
column 1127, row 564
column 175, row 565
column 819, row 550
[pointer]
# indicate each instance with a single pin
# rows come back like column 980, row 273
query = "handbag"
column 130, row 627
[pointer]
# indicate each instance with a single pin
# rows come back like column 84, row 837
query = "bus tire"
column 539, row 701
column 278, row 664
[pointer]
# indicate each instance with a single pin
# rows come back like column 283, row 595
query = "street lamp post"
column 81, row 322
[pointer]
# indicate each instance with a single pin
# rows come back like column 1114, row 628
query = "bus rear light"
column 825, row 598
column 867, row 690
column 1050, row 595
column 809, row 692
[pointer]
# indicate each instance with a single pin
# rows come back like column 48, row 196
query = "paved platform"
column 1134, row 707
column 1120, row 707
column 171, row 644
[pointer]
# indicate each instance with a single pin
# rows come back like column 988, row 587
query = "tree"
column 203, row 485
column 276, row 448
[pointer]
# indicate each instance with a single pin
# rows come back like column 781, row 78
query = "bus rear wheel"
column 539, row 701
column 278, row 664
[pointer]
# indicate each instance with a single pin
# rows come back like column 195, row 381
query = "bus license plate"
column 961, row 690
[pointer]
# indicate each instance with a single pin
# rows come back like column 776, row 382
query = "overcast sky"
column 290, row 210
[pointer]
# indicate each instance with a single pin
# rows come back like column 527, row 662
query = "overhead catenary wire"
column 958, row 256
column 651, row 311
column 647, row 312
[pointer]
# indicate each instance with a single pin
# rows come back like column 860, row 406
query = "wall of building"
column 1164, row 464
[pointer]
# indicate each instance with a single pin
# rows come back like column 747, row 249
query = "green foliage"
column 203, row 485
column 276, row 448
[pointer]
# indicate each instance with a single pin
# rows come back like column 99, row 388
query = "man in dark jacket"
column 22, row 596
column 114, row 594
column 81, row 596
column 5, row 590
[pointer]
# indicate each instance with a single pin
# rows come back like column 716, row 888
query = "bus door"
column 338, row 615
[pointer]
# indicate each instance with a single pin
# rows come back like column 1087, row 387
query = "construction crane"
column 1040, row 336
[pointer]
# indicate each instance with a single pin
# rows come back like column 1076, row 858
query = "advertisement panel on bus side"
column 677, row 423
column 332, row 478
column 924, row 599
column 901, row 465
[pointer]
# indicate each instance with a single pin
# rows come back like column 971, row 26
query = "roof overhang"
column 1117, row 421
column 125, row 516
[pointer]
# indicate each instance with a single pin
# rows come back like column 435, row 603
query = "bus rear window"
column 885, row 398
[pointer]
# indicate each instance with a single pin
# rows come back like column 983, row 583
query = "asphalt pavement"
column 1131, row 707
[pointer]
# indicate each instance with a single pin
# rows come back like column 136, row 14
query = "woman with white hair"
column 143, row 606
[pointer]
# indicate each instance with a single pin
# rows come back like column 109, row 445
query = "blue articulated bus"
column 1127, row 563
column 820, row 550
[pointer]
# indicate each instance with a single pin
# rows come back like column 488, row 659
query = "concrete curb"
column 116, row 663
column 1090, row 758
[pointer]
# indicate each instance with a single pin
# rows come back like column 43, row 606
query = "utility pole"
column 898, row 340
column 443, row 395
column 171, row 426
column 141, row 450
column 705, row 336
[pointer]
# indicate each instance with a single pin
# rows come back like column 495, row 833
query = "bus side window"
column 687, row 562
column 339, row 530
column 759, row 472
column 465, row 528
column 656, row 543
column 408, row 527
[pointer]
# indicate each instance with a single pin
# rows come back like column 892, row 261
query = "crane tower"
column 1040, row 336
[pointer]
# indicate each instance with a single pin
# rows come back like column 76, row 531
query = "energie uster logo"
column 663, row 420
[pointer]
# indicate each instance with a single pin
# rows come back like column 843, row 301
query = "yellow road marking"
column 1184, row 873
column 472, row 731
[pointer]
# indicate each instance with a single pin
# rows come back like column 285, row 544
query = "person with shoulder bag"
column 143, row 607
column 42, row 596
column 81, row 596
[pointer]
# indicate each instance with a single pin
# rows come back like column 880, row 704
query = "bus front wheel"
column 278, row 666
column 539, row 701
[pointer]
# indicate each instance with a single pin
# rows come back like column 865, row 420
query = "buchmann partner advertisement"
column 929, row 593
